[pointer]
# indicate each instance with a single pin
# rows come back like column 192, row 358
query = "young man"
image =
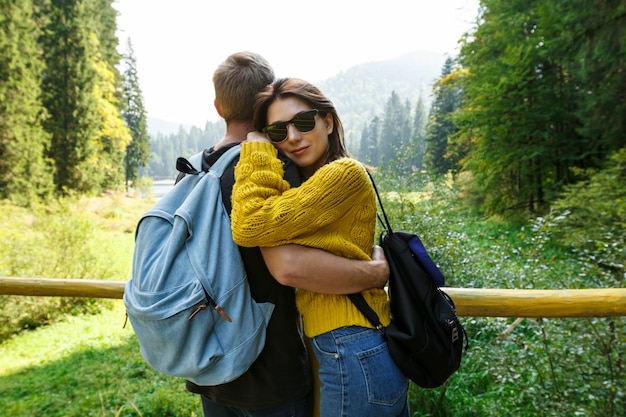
column 279, row 383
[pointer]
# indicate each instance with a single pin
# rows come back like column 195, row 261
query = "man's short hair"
column 236, row 82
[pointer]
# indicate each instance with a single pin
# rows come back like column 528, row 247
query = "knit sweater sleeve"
column 267, row 212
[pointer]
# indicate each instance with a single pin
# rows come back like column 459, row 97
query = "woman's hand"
column 257, row 137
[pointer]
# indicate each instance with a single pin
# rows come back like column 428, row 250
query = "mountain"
column 159, row 126
column 361, row 92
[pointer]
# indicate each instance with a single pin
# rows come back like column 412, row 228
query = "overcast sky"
column 179, row 43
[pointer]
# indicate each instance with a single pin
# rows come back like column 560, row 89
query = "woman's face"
column 307, row 150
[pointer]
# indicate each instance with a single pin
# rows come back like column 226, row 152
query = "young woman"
column 333, row 209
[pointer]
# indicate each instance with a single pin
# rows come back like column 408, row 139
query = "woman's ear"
column 329, row 123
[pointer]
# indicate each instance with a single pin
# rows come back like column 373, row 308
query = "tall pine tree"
column 519, row 107
column 138, row 152
column 25, row 172
column 440, row 124
column 114, row 137
column 369, row 150
column 68, row 87
column 417, row 145
column 396, row 129
column 590, row 41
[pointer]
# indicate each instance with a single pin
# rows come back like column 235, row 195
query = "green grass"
column 76, row 238
column 86, row 365
column 81, row 362
column 71, row 356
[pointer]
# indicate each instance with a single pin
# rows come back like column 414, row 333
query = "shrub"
column 546, row 367
column 67, row 238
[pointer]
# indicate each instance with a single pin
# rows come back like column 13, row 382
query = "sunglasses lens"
column 304, row 122
column 276, row 132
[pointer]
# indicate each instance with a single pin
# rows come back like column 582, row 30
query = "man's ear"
column 217, row 107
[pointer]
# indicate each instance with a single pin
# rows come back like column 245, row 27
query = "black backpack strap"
column 359, row 301
column 385, row 224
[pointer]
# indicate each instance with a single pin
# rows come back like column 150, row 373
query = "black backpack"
column 425, row 338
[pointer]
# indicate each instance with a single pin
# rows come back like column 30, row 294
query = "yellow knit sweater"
column 334, row 210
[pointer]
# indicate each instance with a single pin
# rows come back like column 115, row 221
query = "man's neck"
column 236, row 132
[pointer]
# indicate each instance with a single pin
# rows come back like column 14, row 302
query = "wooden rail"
column 472, row 302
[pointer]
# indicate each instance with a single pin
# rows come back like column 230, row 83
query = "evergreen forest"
column 516, row 117
column 509, row 159
column 72, row 119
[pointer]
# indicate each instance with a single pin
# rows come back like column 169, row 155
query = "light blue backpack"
column 188, row 299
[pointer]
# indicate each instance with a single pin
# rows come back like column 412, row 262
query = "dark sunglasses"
column 303, row 121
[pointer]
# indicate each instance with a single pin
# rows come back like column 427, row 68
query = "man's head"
column 236, row 82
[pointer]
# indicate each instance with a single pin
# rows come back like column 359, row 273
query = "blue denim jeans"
column 358, row 375
column 301, row 408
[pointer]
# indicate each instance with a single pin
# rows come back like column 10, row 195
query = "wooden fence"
column 472, row 302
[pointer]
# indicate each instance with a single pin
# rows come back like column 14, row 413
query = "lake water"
column 159, row 188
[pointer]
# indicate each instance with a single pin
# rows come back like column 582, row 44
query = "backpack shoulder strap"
column 193, row 165
column 361, row 303
column 224, row 161
column 196, row 161
column 386, row 225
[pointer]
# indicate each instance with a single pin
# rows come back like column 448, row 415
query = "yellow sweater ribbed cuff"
column 249, row 148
